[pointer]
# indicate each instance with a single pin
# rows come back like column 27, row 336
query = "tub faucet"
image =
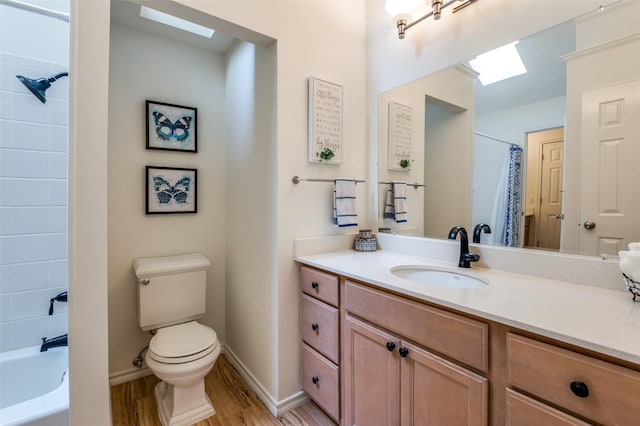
column 476, row 232
column 53, row 342
column 465, row 257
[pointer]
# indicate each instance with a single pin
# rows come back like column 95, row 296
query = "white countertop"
column 601, row 320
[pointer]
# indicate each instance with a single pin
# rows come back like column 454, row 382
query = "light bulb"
column 402, row 7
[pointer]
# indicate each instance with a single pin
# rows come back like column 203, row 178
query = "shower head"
column 40, row 85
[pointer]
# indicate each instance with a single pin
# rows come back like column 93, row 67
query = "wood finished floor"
column 133, row 403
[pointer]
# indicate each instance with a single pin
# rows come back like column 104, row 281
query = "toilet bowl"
column 181, row 356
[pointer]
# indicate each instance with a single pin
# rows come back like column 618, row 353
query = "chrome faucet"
column 465, row 257
column 53, row 342
column 476, row 232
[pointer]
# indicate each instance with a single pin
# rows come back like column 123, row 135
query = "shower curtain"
column 506, row 206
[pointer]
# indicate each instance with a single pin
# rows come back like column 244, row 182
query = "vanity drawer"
column 320, row 380
column 550, row 372
column 320, row 327
column 463, row 339
column 524, row 411
column 319, row 284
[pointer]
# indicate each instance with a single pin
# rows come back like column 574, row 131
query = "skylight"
column 498, row 64
column 173, row 21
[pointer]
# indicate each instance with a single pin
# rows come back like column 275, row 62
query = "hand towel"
column 634, row 246
column 388, row 204
column 630, row 264
column 344, row 202
column 399, row 201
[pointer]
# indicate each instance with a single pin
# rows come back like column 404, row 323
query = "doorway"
column 543, row 206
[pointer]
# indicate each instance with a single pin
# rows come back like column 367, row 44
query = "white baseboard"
column 293, row 401
column 275, row 407
column 128, row 375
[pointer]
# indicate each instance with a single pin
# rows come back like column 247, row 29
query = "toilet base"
column 182, row 406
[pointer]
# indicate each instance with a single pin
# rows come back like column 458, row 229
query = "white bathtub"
column 34, row 387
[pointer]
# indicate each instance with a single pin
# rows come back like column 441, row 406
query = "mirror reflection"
column 544, row 158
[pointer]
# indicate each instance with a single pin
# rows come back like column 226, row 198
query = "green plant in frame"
column 326, row 154
column 406, row 164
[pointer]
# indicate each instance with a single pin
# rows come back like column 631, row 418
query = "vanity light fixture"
column 402, row 10
column 498, row 64
column 174, row 21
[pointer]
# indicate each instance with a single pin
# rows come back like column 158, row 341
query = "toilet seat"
column 182, row 343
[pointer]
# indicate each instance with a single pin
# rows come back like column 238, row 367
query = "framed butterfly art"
column 171, row 127
column 171, row 190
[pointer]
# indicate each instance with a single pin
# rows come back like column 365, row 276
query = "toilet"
column 171, row 297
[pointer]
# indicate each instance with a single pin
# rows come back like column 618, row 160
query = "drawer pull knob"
column 315, row 326
column 315, row 380
column 314, row 284
column 579, row 389
column 403, row 352
column 391, row 346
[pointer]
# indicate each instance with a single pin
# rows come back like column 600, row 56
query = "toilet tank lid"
column 151, row 266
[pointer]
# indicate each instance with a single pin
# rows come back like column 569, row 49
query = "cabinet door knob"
column 314, row 284
column 579, row 389
column 403, row 352
column 315, row 326
column 391, row 346
column 315, row 380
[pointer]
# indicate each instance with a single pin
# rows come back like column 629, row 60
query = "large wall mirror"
column 546, row 158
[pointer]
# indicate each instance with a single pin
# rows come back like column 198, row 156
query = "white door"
column 610, row 208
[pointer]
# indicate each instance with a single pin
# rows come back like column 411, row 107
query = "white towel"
column 388, row 204
column 630, row 264
column 400, row 201
column 344, row 202
column 395, row 205
column 634, row 246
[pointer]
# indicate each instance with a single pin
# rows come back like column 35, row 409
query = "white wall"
column 33, row 178
column 144, row 66
column 24, row 33
column 88, row 101
column 251, row 208
column 33, row 204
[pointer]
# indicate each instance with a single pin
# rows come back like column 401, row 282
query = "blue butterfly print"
column 165, row 191
column 166, row 129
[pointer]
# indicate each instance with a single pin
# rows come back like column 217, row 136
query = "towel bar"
column 415, row 185
column 298, row 179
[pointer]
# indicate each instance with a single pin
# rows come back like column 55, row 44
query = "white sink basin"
column 437, row 277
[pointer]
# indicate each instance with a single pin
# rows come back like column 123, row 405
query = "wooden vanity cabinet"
column 373, row 357
column 590, row 388
column 391, row 380
column 320, row 349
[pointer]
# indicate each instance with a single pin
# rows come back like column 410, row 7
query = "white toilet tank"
column 171, row 290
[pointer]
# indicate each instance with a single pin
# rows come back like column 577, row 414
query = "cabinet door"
column 436, row 392
column 372, row 375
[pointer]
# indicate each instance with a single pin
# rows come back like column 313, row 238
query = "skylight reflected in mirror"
column 498, row 64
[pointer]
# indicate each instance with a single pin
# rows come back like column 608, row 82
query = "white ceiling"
column 127, row 13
